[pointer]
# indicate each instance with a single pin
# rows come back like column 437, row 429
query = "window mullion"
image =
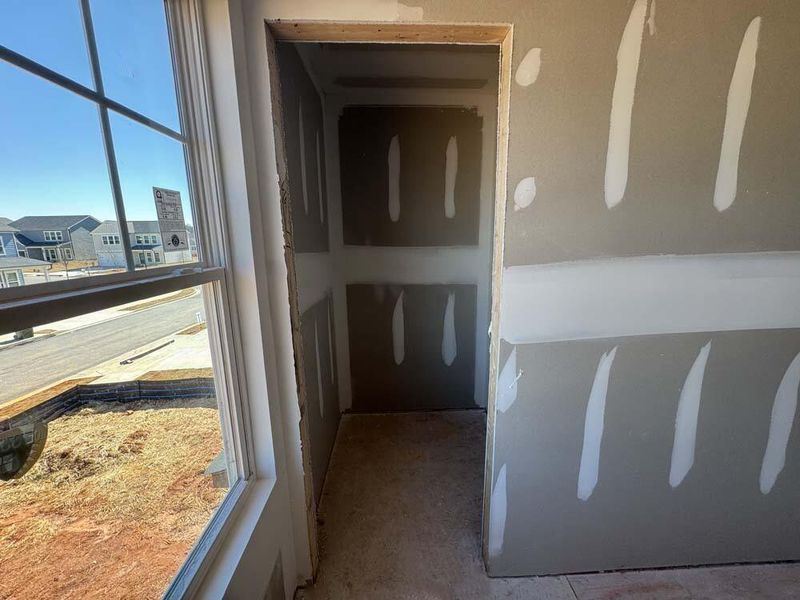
column 108, row 142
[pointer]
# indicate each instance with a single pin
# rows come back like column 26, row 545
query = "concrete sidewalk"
column 58, row 327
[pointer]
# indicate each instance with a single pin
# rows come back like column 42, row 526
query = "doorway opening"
column 390, row 147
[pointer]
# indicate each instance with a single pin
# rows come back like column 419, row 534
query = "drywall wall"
column 412, row 347
column 307, row 216
column 669, row 126
column 423, row 264
column 321, row 390
column 423, row 161
column 304, row 139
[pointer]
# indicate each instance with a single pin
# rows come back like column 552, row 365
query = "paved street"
column 28, row 367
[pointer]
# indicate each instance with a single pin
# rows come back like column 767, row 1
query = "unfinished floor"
column 400, row 518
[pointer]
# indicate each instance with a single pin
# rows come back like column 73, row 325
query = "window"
column 12, row 279
column 139, row 239
column 2, row 247
column 67, row 253
column 149, row 454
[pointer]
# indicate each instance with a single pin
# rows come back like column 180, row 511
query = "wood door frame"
column 492, row 34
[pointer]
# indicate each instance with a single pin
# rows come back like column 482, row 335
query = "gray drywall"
column 634, row 517
column 422, row 135
column 321, row 393
column 420, row 379
column 302, row 113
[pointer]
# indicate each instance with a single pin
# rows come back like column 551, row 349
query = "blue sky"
column 51, row 150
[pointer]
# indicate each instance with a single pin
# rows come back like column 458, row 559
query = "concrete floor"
column 400, row 519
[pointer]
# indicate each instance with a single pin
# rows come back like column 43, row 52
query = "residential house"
column 56, row 238
column 12, row 265
column 146, row 245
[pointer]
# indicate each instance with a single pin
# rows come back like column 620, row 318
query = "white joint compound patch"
column 683, row 445
column 330, row 339
column 320, row 182
column 302, row 135
column 736, row 117
column 619, row 132
column 449, row 348
column 497, row 514
column 593, row 427
column 320, row 392
column 524, row 193
column 650, row 295
column 393, row 161
column 398, row 331
column 450, row 172
column 780, row 427
column 507, row 383
column 529, row 66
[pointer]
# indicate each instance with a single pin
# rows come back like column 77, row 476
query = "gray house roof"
column 5, row 220
column 48, row 222
column 5, row 227
column 20, row 262
column 133, row 227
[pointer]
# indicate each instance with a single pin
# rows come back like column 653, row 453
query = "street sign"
column 170, row 219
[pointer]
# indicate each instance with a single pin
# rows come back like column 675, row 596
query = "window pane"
column 123, row 406
column 135, row 57
column 151, row 168
column 49, row 32
column 54, row 186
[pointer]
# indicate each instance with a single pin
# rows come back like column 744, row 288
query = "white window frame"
column 17, row 281
column 50, row 254
column 53, row 236
column 2, row 247
column 31, row 305
column 139, row 239
column 67, row 253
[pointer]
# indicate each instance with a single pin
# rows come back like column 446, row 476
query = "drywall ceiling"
column 339, row 68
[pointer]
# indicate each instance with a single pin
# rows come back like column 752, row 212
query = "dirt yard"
column 113, row 505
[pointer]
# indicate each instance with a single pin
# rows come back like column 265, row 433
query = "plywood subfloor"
column 400, row 518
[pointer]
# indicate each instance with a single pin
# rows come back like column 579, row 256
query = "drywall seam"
column 650, row 295
column 393, row 161
column 449, row 347
column 398, row 331
column 319, row 182
column 593, row 427
column 507, row 383
column 619, row 132
column 529, row 66
column 302, row 137
column 498, row 512
column 318, row 365
column 780, row 427
column 524, row 193
column 683, row 445
column 450, row 173
column 736, row 112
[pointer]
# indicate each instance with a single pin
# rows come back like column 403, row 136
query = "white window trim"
column 2, row 247
column 53, row 236
column 67, row 253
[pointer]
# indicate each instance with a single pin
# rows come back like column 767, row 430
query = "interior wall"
column 389, row 266
column 304, row 140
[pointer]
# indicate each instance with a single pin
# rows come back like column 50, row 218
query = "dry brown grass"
column 113, row 505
